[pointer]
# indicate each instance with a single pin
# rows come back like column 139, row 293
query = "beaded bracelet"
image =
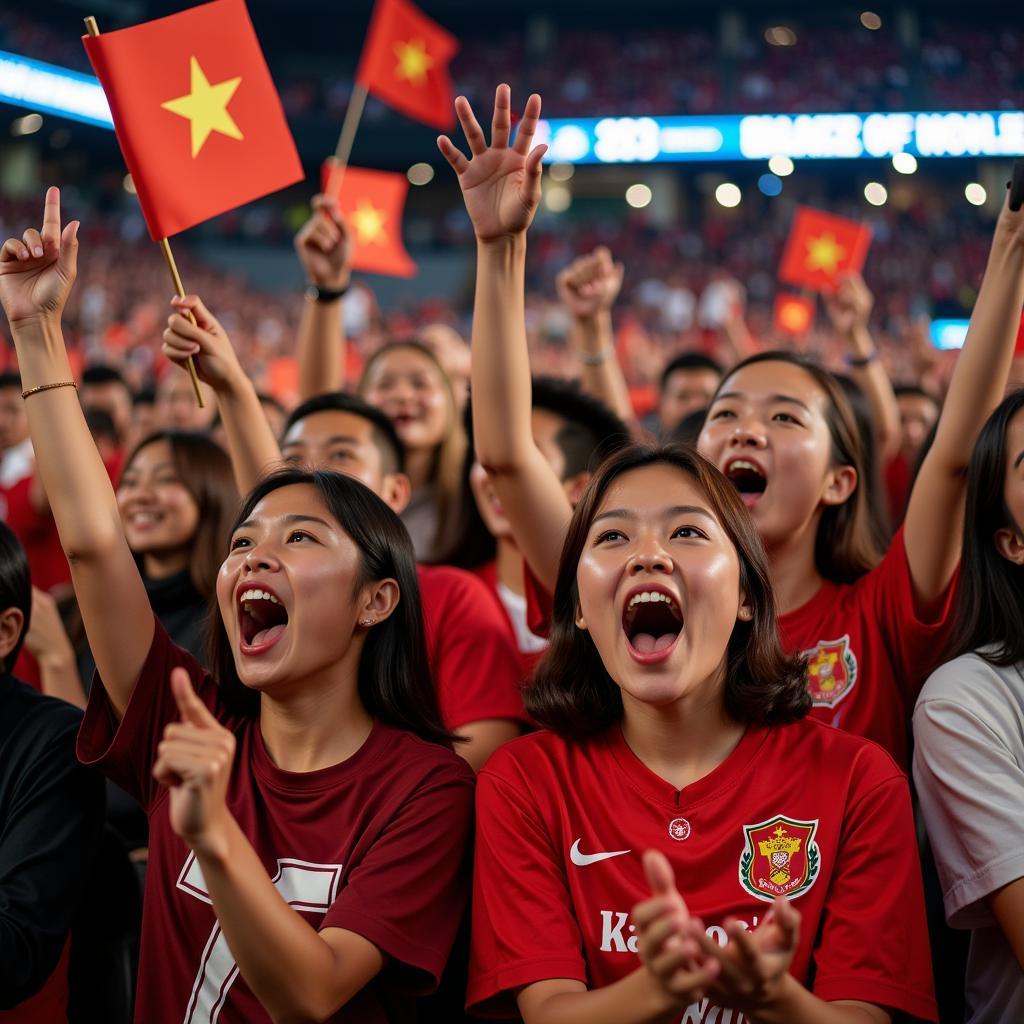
column 47, row 387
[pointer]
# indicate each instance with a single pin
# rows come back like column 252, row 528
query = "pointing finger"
column 51, row 217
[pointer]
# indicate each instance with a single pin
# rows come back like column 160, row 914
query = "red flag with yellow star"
column 793, row 314
column 196, row 114
column 405, row 63
column 822, row 247
column 372, row 202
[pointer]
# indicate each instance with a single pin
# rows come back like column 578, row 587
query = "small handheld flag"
column 821, row 248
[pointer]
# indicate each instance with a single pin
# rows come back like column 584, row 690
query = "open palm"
column 500, row 183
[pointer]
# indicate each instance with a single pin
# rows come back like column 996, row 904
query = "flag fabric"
column 821, row 248
column 196, row 114
column 793, row 314
column 1018, row 349
column 405, row 63
column 372, row 202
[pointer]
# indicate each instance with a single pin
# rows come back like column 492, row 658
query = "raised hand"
column 205, row 341
column 324, row 245
column 668, row 946
column 851, row 305
column 500, row 183
column 590, row 284
column 38, row 270
column 194, row 761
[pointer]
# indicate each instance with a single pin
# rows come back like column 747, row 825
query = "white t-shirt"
column 969, row 771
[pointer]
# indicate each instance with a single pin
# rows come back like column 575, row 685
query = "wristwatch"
column 317, row 294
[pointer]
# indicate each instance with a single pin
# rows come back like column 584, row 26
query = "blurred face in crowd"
column 767, row 431
column 114, row 399
column 685, row 391
column 452, row 352
column 275, row 417
column 176, row 405
column 158, row 513
column 345, row 443
column 918, row 415
column 407, row 386
column 13, row 421
column 143, row 423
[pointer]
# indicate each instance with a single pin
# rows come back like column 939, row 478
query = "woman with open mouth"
column 287, row 792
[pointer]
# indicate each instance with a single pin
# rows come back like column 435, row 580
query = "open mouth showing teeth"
column 652, row 621
column 746, row 477
column 263, row 618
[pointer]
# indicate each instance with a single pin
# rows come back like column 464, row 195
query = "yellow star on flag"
column 206, row 107
column 413, row 61
column 824, row 253
column 369, row 223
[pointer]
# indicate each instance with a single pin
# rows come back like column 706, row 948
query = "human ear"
column 581, row 623
column 1009, row 544
column 575, row 487
column 379, row 600
column 745, row 612
column 840, row 484
column 12, row 622
column 395, row 491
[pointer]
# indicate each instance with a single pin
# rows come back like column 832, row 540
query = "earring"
column 366, row 622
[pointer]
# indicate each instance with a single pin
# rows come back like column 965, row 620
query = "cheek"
column 596, row 579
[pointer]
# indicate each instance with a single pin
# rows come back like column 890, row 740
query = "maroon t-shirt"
column 376, row 844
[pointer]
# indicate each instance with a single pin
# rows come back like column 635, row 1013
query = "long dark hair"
column 395, row 684
column 845, row 547
column 990, row 594
column 572, row 692
column 205, row 471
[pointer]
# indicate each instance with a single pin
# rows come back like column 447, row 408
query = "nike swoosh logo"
column 581, row 860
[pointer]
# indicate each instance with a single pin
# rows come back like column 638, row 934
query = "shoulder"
column 422, row 761
column 957, row 681
column 529, row 762
column 447, row 580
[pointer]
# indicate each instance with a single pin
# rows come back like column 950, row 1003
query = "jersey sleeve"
column 915, row 641
column 971, row 789
column 408, row 893
column 125, row 751
column 539, row 603
column 524, row 927
column 474, row 656
column 873, row 943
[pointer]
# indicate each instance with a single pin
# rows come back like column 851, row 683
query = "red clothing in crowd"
column 488, row 572
column 37, row 532
column 803, row 810
column 375, row 845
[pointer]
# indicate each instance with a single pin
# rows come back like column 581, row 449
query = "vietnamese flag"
column 372, row 203
column 196, row 114
column 821, row 248
column 405, row 63
column 793, row 314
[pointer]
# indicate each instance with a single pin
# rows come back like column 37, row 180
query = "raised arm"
column 325, row 252
column 501, row 188
column 935, row 512
column 849, row 309
column 588, row 288
column 36, row 275
column 251, row 443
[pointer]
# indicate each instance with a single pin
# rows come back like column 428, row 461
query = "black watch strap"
column 325, row 294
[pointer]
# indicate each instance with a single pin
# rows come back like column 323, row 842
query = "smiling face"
column 408, row 387
column 659, row 587
column 158, row 513
column 767, row 431
column 289, row 591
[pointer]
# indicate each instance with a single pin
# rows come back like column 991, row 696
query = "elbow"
column 93, row 547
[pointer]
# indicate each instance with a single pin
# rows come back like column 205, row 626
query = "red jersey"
column 473, row 655
column 488, row 572
column 38, row 535
column 869, row 652
column 801, row 810
column 375, row 844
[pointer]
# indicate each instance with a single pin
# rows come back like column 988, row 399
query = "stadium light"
column 638, row 196
column 875, row 193
column 128, row 185
column 27, row 125
column 561, row 172
column 770, row 184
column 53, row 90
column 728, row 194
column 420, row 174
column 557, row 198
column 870, row 20
column 781, row 165
column 780, row 35
column 975, row 194
column 905, row 163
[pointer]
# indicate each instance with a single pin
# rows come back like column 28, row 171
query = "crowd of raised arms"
column 459, row 690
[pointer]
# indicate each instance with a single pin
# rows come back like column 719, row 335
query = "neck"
column 794, row 572
column 317, row 721
column 509, row 563
column 684, row 741
column 158, row 565
column 419, row 466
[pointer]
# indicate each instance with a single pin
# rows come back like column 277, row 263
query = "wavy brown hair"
column 572, row 692
column 846, row 545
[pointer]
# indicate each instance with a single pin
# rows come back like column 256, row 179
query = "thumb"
column 533, row 172
column 68, row 260
column 190, row 707
column 659, row 873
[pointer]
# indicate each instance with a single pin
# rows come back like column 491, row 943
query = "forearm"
column 292, row 971
column 251, row 443
column 58, row 676
column 874, row 382
column 796, row 1005
column 635, row 999
column 600, row 371
column 321, row 348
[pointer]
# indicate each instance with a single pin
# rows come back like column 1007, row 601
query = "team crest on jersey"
column 831, row 671
column 781, row 858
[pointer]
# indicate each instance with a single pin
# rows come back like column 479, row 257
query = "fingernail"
column 37, row 251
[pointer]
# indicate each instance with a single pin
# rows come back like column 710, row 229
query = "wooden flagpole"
column 343, row 150
column 165, row 247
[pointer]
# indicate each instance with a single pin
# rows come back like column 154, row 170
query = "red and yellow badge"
column 831, row 671
column 780, row 858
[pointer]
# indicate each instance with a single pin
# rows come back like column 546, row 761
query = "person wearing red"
column 286, row 791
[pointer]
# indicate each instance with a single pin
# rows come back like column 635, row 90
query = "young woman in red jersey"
column 676, row 752
column 286, row 799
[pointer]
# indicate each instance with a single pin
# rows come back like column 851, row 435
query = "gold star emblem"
column 369, row 223
column 824, row 253
column 413, row 61
column 206, row 107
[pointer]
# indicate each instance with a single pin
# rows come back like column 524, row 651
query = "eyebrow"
column 1017, row 461
column 771, row 399
column 675, row 510
column 290, row 519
